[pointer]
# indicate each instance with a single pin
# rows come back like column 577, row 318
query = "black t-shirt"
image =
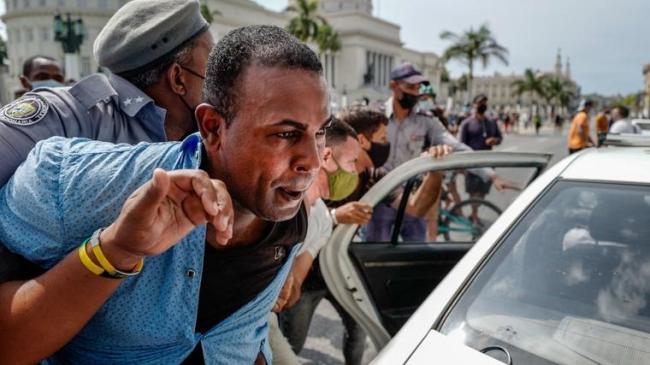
column 234, row 276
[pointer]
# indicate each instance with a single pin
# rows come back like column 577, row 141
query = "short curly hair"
column 263, row 45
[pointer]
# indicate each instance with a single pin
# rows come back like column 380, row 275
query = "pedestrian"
column 621, row 124
column 537, row 119
column 579, row 137
column 137, row 98
column 41, row 71
column 193, row 301
column 481, row 134
column 602, row 125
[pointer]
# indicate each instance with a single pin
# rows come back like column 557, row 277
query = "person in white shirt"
column 621, row 123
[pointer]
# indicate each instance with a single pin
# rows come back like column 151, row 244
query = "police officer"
column 410, row 132
column 154, row 55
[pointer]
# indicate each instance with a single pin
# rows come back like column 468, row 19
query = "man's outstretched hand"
column 163, row 211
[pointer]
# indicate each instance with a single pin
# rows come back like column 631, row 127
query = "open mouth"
column 291, row 195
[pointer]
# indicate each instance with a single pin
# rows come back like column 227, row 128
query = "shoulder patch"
column 25, row 111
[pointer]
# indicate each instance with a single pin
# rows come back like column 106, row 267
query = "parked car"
column 643, row 124
column 561, row 277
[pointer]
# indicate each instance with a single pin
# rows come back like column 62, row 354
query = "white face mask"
column 46, row 83
column 426, row 105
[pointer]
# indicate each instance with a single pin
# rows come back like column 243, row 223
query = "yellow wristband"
column 87, row 262
column 111, row 271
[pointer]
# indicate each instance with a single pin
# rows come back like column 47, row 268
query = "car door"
column 381, row 282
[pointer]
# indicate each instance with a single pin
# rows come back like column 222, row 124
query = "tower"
column 567, row 70
column 558, row 63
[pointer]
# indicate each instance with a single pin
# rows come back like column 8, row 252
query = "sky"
column 608, row 42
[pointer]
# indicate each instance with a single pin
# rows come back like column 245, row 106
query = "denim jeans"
column 295, row 322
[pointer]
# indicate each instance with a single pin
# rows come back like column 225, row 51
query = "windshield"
column 570, row 284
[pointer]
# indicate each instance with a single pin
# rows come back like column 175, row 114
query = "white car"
column 643, row 124
column 561, row 277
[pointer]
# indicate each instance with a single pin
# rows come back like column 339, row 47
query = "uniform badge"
column 25, row 111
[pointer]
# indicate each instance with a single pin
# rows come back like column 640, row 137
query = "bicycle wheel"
column 465, row 226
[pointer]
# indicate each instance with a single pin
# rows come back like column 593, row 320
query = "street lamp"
column 71, row 34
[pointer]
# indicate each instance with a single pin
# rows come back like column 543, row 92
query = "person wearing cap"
column 410, row 132
column 154, row 55
column 427, row 103
column 579, row 137
column 191, row 301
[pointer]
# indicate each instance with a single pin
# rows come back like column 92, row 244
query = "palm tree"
column 471, row 46
column 305, row 25
column 308, row 26
column 328, row 39
column 3, row 51
column 531, row 83
column 208, row 14
column 557, row 90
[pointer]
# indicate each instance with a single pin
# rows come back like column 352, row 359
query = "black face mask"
column 481, row 109
column 379, row 153
column 408, row 101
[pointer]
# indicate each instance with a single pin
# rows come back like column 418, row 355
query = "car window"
column 570, row 284
column 468, row 204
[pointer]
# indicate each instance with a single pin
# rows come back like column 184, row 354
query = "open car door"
column 381, row 282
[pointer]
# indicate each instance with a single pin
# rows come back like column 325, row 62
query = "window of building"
column 15, row 4
column 29, row 35
column 121, row 3
column 61, row 2
column 85, row 66
column 42, row 3
column 27, row 4
column 82, row 3
column 378, row 68
column 45, row 34
column 17, row 37
column 102, row 4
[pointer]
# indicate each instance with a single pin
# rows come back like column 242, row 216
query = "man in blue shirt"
column 264, row 144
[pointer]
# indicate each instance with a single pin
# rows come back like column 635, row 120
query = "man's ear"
column 364, row 142
column 393, row 85
column 176, row 79
column 328, row 160
column 211, row 125
column 26, row 84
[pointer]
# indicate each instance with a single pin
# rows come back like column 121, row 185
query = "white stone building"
column 370, row 46
column 30, row 31
column 646, row 99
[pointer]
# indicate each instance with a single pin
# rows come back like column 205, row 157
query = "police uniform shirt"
column 417, row 132
column 414, row 134
column 102, row 107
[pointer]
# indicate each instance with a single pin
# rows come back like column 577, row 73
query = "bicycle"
column 457, row 225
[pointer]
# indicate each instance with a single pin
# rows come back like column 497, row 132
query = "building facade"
column 371, row 47
column 646, row 99
column 501, row 93
column 30, row 31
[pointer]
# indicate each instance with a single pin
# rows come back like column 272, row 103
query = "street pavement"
column 325, row 339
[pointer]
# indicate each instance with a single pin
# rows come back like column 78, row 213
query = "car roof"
column 616, row 164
